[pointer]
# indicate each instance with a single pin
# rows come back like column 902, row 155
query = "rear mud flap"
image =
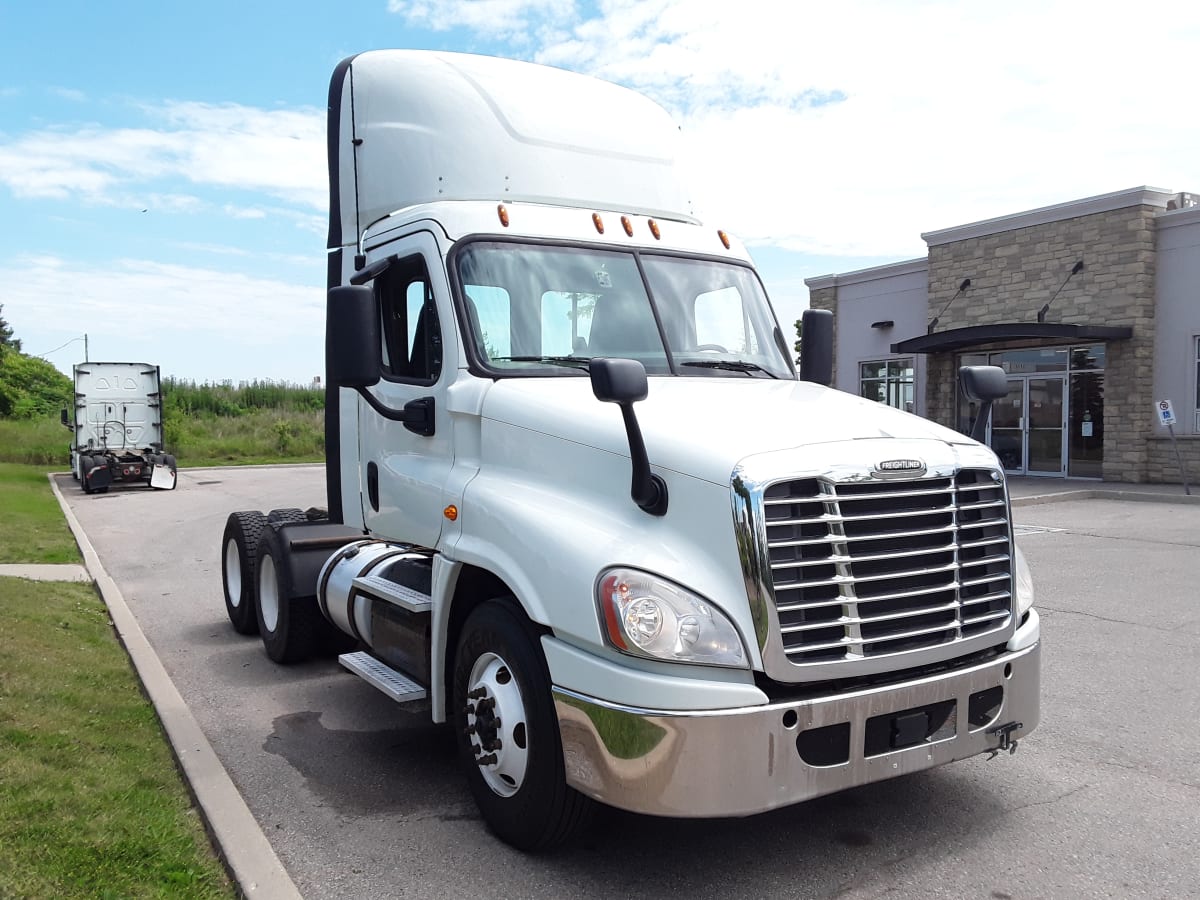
column 163, row 478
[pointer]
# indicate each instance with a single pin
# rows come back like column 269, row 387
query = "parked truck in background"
column 582, row 507
column 117, row 427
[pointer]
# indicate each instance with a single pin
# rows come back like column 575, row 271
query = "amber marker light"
column 451, row 511
column 627, row 225
column 654, row 229
column 724, row 239
column 598, row 222
column 503, row 214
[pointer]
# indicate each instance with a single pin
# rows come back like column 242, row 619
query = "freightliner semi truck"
column 117, row 427
column 582, row 507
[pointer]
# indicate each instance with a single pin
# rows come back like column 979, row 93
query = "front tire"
column 239, row 551
column 508, row 740
column 291, row 627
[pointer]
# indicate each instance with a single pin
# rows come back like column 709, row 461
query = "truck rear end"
column 118, row 427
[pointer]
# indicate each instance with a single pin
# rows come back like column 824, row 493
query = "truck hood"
column 705, row 426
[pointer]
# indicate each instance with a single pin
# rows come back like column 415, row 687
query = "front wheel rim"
column 496, row 725
column 268, row 594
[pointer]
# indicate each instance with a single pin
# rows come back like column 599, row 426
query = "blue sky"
column 162, row 172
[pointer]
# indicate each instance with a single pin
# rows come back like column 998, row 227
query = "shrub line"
column 240, row 841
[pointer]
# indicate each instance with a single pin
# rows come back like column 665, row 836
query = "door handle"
column 373, row 485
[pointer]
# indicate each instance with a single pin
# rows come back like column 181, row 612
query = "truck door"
column 404, row 472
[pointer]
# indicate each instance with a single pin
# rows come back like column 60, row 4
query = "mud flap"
column 163, row 478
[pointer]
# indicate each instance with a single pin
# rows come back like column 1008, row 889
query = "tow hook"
column 1004, row 733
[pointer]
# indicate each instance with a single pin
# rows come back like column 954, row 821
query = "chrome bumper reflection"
column 744, row 761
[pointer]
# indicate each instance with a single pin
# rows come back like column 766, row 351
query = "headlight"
column 1024, row 585
column 649, row 616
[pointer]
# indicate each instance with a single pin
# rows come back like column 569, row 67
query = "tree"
column 7, row 341
column 30, row 387
column 799, row 337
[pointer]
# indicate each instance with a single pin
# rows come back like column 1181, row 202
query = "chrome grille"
column 868, row 568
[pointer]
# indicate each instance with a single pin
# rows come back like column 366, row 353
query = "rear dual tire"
column 239, row 557
column 292, row 627
column 86, row 465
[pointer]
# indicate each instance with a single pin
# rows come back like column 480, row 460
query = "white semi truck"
column 117, row 427
column 581, row 505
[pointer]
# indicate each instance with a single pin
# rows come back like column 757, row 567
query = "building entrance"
column 1052, row 420
column 1028, row 426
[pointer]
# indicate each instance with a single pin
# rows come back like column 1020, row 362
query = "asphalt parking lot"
column 361, row 797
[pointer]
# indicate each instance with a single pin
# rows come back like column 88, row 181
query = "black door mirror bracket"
column 623, row 382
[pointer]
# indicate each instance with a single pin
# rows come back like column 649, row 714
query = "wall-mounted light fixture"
column 1075, row 270
column 966, row 283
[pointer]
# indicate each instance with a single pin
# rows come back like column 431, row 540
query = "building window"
column 889, row 381
column 1197, row 423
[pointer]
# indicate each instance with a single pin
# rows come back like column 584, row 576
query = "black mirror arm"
column 416, row 416
column 648, row 490
column 979, row 429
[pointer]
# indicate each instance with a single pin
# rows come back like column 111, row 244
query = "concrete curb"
column 241, row 842
column 1103, row 494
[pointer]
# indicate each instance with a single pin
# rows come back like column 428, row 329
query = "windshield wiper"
column 731, row 365
column 574, row 362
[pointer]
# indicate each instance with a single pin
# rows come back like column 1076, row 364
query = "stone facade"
column 1014, row 272
column 1162, row 466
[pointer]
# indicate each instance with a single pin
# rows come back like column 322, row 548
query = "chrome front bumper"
column 738, row 762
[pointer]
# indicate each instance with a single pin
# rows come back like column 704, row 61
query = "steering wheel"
column 712, row 348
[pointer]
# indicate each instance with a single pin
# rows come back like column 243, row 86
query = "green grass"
column 256, row 436
column 32, row 529
column 196, row 438
column 91, row 804
column 36, row 442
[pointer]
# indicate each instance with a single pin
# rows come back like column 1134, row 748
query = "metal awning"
column 975, row 335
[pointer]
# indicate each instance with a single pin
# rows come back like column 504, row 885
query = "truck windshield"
column 537, row 309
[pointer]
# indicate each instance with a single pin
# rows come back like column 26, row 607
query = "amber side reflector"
column 451, row 512
column 598, row 222
column 654, row 229
column 627, row 225
column 724, row 239
column 503, row 213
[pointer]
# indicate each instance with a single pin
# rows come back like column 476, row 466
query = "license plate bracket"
column 909, row 729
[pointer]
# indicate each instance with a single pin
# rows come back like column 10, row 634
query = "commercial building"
column 1092, row 307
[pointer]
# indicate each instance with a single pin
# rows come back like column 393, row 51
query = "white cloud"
column 196, row 322
column 850, row 128
column 276, row 152
column 71, row 94
column 514, row 20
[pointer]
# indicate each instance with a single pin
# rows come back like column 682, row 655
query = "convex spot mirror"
column 352, row 341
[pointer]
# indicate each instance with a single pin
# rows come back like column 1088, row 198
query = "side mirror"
column 983, row 384
column 623, row 382
column 66, row 420
column 816, row 346
column 618, row 380
column 352, row 355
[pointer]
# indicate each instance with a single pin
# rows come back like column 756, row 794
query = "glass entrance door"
column 1044, row 430
column 1008, row 427
column 1028, row 423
